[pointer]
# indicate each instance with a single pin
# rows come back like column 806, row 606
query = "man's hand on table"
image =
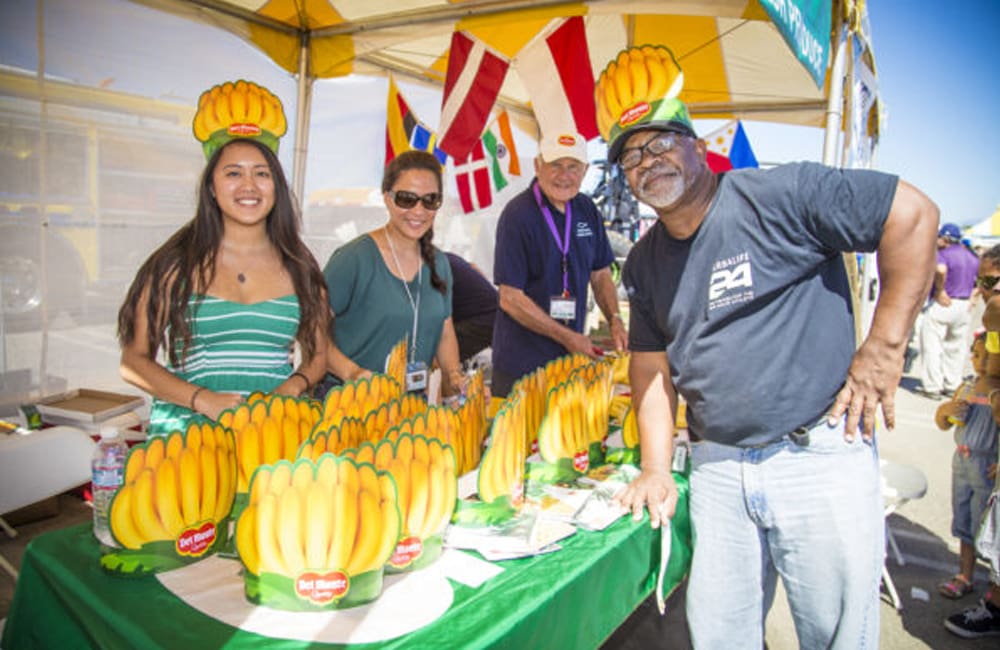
column 655, row 490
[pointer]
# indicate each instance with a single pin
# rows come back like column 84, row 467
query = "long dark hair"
column 418, row 160
column 185, row 263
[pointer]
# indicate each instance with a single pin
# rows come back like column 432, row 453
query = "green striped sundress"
column 235, row 348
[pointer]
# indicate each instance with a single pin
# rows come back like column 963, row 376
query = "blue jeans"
column 807, row 509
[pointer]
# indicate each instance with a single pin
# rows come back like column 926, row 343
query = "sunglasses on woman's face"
column 407, row 200
column 987, row 282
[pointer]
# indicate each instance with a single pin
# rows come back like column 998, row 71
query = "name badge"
column 416, row 377
column 562, row 308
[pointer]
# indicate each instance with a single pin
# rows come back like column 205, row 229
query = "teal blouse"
column 372, row 311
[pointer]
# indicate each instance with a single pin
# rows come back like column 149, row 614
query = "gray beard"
column 663, row 198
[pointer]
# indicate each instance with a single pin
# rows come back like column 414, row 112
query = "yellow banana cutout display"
column 176, row 485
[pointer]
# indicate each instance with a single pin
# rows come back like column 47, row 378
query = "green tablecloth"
column 573, row 598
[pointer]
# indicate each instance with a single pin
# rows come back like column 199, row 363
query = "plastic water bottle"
column 108, row 472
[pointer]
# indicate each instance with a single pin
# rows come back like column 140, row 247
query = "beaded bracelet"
column 304, row 378
column 194, row 395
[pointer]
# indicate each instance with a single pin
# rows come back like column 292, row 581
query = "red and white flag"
column 556, row 72
column 472, row 176
column 475, row 75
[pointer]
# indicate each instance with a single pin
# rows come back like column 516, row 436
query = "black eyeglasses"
column 987, row 282
column 407, row 200
column 661, row 144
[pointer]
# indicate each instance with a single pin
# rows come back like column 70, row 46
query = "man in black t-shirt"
column 739, row 301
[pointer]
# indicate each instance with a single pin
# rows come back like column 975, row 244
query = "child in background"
column 972, row 466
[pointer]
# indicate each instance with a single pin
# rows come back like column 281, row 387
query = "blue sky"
column 935, row 67
column 938, row 72
column 941, row 90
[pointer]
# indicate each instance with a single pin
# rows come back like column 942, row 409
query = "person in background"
column 473, row 307
column 550, row 246
column 392, row 284
column 231, row 294
column 740, row 302
column 973, row 465
column 983, row 619
column 944, row 329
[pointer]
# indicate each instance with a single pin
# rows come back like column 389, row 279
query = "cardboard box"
column 85, row 405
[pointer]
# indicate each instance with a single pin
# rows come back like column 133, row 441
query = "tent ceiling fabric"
column 735, row 61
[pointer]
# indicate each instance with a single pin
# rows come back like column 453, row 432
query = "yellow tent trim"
column 337, row 54
column 509, row 32
column 283, row 48
column 302, row 14
column 695, row 43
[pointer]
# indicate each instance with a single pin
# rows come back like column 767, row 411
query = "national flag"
column 472, row 176
column 399, row 123
column 556, row 72
column 424, row 139
column 499, row 143
column 729, row 148
column 471, row 86
column 403, row 131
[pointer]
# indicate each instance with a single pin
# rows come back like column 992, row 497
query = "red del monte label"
column 243, row 129
column 634, row 114
column 407, row 550
column 566, row 140
column 321, row 588
column 581, row 461
column 193, row 542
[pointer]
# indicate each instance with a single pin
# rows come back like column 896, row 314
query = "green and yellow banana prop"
column 177, row 493
column 240, row 109
column 268, row 428
column 425, row 474
column 316, row 535
column 639, row 87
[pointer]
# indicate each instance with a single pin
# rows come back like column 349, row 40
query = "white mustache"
column 658, row 169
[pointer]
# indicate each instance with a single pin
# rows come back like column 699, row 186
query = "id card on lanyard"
column 561, row 307
column 416, row 371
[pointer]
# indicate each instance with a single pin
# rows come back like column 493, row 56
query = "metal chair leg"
column 891, row 587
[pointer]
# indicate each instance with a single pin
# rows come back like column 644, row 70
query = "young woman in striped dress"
column 217, row 311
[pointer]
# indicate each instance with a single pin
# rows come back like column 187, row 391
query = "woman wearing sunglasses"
column 392, row 283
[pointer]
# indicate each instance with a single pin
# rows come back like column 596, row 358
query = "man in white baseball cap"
column 550, row 246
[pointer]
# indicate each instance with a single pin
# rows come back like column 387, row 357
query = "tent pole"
column 833, row 157
column 303, row 105
column 835, row 104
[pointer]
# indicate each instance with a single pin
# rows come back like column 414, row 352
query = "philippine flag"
column 729, row 148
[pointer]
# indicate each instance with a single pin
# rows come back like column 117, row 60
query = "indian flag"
column 499, row 144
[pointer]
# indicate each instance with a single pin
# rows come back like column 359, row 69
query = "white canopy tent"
column 98, row 165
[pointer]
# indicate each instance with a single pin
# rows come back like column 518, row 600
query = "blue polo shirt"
column 527, row 257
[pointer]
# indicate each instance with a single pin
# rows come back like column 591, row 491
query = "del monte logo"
column 194, row 541
column 633, row 114
column 321, row 588
column 243, row 129
column 407, row 550
column 567, row 140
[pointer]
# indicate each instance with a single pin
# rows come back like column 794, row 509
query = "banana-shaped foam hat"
column 238, row 109
column 638, row 90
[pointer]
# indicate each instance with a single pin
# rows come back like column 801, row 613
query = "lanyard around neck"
column 415, row 304
column 561, row 244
